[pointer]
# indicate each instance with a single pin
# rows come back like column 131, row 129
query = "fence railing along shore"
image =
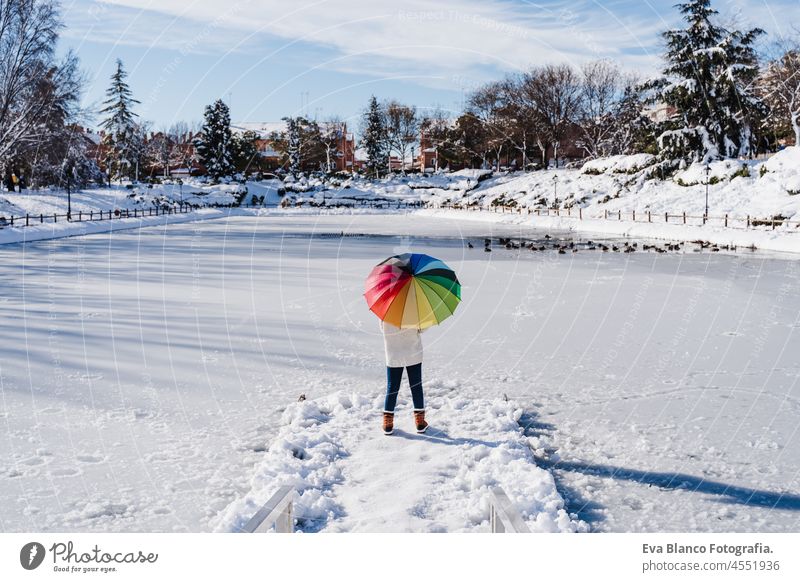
column 633, row 216
column 97, row 215
column 647, row 216
column 180, row 208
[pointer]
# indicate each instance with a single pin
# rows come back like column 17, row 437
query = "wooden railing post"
column 279, row 510
column 503, row 516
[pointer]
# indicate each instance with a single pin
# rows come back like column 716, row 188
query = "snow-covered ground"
column 150, row 378
column 350, row 477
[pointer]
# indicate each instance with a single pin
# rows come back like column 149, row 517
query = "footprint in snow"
column 65, row 472
column 90, row 458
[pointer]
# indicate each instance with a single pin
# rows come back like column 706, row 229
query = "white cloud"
column 380, row 36
column 472, row 39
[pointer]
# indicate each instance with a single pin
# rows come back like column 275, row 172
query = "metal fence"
column 96, row 215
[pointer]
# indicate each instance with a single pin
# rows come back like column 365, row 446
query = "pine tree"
column 214, row 144
column 244, row 148
column 293, row 145
column 120, row 124
column 374, row 138
column 708, row 79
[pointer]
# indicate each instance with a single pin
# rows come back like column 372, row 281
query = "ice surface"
column 147, row 373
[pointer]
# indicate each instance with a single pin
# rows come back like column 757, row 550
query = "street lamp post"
column 555, row 191
column 705, row 216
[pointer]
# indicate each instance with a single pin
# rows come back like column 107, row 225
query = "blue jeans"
column 393, row 378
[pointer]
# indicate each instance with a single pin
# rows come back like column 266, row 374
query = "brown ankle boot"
column 388, row 422
column 419, row 420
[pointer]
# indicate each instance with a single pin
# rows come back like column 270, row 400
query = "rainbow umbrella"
column 412, row 291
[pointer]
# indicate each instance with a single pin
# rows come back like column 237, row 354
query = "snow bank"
column 785, row 161
column 695, row 174
column 619, row 164
column 783, row 171
column 350, row 477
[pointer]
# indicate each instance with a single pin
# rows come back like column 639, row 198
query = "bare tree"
column 526, row 127
column 780, row 85
column 490, row 105
column 601, row 92
column 402, row 129
column 555, row 92
column 332, row 132
column 33, row 85
column 436, row 133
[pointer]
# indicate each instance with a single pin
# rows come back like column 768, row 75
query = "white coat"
column 403, row 346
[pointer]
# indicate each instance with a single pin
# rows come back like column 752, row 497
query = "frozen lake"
column 143, row 373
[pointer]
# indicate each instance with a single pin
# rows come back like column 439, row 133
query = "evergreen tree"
column 120, row 125
column 632, row 132
column 214, row 144
column 293, row 145
column 374, row 138
column 245, row 151
column 708, row 79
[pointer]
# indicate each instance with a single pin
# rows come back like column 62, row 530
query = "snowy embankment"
column 138, row 197
column 351, row 477
column 50, row 230
column 65, row 229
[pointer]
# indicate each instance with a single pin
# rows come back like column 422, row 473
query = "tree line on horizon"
column 723, row 97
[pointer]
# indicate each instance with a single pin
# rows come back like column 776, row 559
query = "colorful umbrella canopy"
column 412, row 291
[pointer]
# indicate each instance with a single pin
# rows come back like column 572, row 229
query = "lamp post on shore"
column 555, row 191
column 708, row 170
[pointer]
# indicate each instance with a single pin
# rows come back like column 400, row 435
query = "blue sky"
column 272, row 58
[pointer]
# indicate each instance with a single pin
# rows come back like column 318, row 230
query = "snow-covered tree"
column 633, row 132
column 331, row 134
column 120, row 125
column 601, row 92
column 780, row 86
column 39, row 95
column 245, row 150
column 300, row 145
column 214, row 143
column 293, row 145
column 709, row 79
column 373, row 138
column 77, row 168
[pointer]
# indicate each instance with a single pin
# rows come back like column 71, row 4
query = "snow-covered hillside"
column 760, row 189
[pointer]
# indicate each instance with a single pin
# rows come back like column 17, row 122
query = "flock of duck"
column 563, row 246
